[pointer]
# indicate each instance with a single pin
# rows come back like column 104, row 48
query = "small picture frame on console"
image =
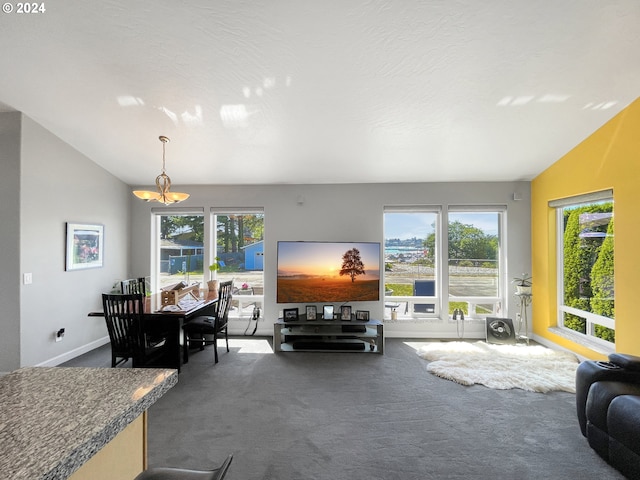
column 290, row 314
column 345, row 313
column 362, row 315
column 312, row 312
column 327, row 312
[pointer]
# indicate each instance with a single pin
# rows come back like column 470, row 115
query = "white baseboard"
column 76, row 352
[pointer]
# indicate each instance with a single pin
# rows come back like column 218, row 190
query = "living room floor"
column 326, row 415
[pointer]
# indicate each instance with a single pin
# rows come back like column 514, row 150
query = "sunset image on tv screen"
column 315, row 272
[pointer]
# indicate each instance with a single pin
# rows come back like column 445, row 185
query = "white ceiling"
column 326, row 91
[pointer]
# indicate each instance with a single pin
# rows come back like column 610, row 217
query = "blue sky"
column 408, row 225
column 419, row 224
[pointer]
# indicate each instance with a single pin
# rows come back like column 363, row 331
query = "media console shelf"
column 328, row 335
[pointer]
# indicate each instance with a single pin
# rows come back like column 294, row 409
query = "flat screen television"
column 331, row 272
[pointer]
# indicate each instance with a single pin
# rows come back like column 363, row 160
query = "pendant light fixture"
column 163, row 182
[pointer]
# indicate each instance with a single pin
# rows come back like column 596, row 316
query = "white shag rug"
column 534, row 368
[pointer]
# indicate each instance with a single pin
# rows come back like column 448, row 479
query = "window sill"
column 413, row 320
column 432, row 320
column 582, row 340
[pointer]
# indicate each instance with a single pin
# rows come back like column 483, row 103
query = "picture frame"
column 327, row 312
column 312, row 312
column 362, row 315
column 290, row 314
column 345, row 313
column 84, row 246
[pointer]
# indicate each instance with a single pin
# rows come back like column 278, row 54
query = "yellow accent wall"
column 609, row 158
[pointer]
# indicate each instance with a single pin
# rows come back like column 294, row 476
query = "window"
column 411, row 242
column 180, row 249
column 475, row 261
column 586, row 294
column 236, row 248
column 238, row 251
column 474, row 278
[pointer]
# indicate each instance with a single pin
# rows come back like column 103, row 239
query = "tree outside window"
column 181, row 247
column 239, row 249
column 409, row 256
column 588, row 268
column 474, row 262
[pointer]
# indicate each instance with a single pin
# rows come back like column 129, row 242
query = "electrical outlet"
column 27, row 278
column 59, row 335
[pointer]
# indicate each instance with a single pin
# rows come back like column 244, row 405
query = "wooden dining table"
column 167, row 321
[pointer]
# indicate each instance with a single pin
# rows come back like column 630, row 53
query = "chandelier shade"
column 163, row 183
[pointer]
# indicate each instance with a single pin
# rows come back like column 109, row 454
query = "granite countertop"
column 54, row 419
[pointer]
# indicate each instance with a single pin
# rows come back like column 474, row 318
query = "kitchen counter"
column 54, row 420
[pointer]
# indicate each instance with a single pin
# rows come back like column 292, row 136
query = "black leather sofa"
column 608, row 408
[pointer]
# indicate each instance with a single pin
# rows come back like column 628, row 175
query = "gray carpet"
column 353, row 416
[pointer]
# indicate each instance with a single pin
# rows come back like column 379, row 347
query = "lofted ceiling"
column 331, row 91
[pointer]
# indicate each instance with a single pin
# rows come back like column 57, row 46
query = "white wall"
column 345, row 212
column 10, row 124
column 58, row 185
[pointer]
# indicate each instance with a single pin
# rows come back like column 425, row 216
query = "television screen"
column 317, row 272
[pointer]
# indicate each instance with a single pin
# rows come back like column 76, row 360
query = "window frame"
column 155, row 254
column 501, row 300
column 588, row 339
column 245, row 300
column 436, row 299
column 441, row 269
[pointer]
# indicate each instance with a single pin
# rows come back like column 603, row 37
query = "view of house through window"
column 586, row 247
column 474, row 262
column 238, row 255
column 410, row 262
column 181, row 246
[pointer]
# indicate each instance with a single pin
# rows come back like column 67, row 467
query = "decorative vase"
column 523, row 290
column 212, row 285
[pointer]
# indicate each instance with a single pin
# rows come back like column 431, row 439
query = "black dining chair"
column 197, row 329
column 167, row 473
column 123, row 315
column 134, row 285
column 139, row 286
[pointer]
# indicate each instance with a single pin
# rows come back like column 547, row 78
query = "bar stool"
column 164, row 473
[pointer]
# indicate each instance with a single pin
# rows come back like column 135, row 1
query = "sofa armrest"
column 628, row 362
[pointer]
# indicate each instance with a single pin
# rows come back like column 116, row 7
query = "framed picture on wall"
column 84, row 246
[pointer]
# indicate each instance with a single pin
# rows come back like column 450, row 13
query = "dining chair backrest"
column 224, row 303
column 123, row 314
column 133, row 285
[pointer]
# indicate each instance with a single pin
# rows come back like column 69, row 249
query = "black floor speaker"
column 500, row 331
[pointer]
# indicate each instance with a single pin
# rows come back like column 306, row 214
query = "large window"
column 475, row 261
column 411, row 261
column 180, row 249
column 229, row 245
column 423, row 278
column 238, row 253
column 586, row 293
